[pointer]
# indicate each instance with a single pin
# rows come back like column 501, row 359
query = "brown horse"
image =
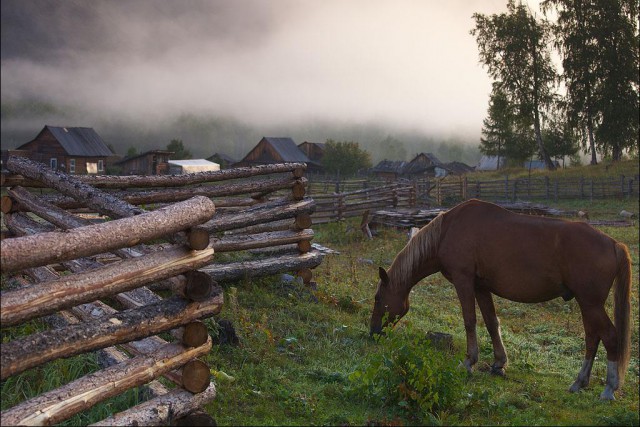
column 484, row 249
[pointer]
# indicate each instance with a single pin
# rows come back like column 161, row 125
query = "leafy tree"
column 514, row 47
column 497, row 130
column 179, row 152
column 560, row 138
column 598, row 42
column 132, row 151
column 344, row 158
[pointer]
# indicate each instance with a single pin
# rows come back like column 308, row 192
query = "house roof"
column 422, row 162
column 79, row 141
column 126, row 159
column 222, row 157
column 457, row 168
column 288, row 150
column 390, row 166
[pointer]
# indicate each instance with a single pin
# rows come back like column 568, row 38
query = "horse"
column 485, row 250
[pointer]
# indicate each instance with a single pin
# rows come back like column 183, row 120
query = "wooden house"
column 389, row 170
column 314, row 151
column 73, row 150
column 423, row 164
column 274, row 150
column 153, row 162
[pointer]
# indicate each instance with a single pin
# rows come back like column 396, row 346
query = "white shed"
column 178, row 167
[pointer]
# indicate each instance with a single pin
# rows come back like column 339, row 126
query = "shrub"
column 408, row 372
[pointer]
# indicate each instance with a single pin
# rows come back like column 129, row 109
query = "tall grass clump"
column 408, row 373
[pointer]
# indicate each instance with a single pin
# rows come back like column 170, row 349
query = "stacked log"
column 68, row 270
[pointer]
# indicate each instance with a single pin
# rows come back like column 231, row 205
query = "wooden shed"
column 274, row 150
column 223, row 160
column 389, row 169
column 153, row 162
column 73, row 150
column 423, row 164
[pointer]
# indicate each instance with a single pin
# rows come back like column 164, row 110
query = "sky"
column 412, row 64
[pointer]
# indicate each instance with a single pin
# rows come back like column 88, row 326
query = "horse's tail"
column 622, row 308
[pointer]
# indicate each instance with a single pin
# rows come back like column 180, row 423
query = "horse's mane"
column 419, row 248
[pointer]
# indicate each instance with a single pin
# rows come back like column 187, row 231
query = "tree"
column 560, row 138
column 179, row 152
column 497, row 129
column 132, row 152
column 344, row 158
column 598, row 42
column 514, row 47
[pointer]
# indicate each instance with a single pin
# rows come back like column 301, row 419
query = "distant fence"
column 453, row 189
column 337, row 206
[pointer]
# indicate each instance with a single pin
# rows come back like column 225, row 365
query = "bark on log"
column 176, row 404
column 273, row 211
column 172, row 195
column 139, row 181
column 122, row 327
column 101, row 201
column 251, row 241
column 66, row 401
column 263, row 267
column 45, row 298
column 30, row 251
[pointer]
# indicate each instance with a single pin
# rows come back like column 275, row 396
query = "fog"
column 405, row 66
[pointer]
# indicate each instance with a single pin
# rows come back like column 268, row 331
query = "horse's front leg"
column 488, row 310
column 465, row 290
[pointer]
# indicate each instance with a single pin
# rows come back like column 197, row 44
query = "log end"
column 198, row 238
column 196, row 376
column 195, row 334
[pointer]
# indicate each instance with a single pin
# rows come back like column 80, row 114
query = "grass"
column 299, row 346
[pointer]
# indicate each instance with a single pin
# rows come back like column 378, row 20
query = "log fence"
column 160, row 233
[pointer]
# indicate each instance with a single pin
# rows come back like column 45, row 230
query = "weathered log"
column 306, row 275
column 304, row 246
column 68, row 291
column 172, row 195
column 193, row 334
column 30, row 251
column 263, row 267
column 175, row 405
column 66, row 401
column 301, row 221
column 261, row 240
column 122, row 327
column 196, row 375
column 139, row 181
column 101, row 201
column 273, row 211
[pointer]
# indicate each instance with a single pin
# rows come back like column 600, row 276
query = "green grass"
column 298, row 348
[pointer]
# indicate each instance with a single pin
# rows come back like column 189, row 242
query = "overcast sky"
column 407, row 63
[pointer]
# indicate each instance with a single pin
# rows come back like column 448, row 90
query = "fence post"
column 478, row 188
column 555, row 190
column 506, row 186
column 622, row 184
column 582, row 187
column 591, row 198
column 465, row 188
column 546, row 185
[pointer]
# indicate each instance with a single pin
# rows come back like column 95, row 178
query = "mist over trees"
column 528, row 112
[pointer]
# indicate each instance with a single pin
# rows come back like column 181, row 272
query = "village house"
column 272, row 150
column 153, row 162
column 73, row 150
column 223, row 160
column 422, row 165
column 389, row 170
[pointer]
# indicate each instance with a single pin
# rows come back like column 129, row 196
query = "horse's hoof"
column 575, row 387
column 607, row 394
column 499, row 371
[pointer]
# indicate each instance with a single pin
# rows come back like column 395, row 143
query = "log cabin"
column 73, row 150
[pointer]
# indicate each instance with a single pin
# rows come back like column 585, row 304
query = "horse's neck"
column 406, row 271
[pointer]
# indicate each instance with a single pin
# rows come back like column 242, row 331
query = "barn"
column 423, row 164
column 73, row 150
column 153, row 162
column 389, row 170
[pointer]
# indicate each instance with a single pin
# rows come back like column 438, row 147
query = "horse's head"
column 390, row 304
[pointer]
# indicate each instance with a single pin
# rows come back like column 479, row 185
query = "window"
column 72, row 165
column 53, row 162
column 101, row 165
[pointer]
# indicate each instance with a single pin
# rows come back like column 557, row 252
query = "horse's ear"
column 383, row 276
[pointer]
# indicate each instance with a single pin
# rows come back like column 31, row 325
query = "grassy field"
column 300, row 350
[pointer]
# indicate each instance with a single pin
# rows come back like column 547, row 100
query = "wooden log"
column 306, row 275
column 30, row 251
column 36, row 301
column 193, row 334
column 273, row 211
column 263, row 267
column 62, row 403
column 172, row 195
column 260, row 240
column 122, row 327
column 304, row 246
column 101, row 201
column 175, row 405
column 139, row 181
column 196, row 375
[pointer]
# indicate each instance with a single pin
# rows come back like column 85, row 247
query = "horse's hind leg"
column 598, row 326
column 488, row 310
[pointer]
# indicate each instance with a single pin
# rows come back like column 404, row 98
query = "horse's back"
column 522, row 257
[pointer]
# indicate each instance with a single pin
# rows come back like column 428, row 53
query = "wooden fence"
column 332, row 207
column 67, row 263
